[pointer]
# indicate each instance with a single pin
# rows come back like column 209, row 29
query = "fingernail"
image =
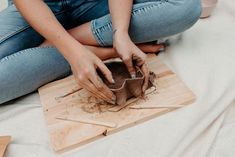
column 144, row 89
column 133, row 76
column 162, row 49
column 112, row 102
column 162, row 46
column 113, row 81
column 114, row 98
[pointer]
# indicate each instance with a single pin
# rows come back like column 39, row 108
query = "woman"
column 80, row 31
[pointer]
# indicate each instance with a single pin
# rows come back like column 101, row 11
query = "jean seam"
column 96, row 34
column 7, row 58
column 12, row 33
column 20, row 29
column 146, row 7
column 96, row 31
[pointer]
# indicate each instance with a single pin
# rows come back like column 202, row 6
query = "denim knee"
column 187, row 14
column 152, row 20
column 194, row 9
column 25, row 71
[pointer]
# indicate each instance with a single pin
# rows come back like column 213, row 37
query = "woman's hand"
column 84, row 66
column 131, row 55
column 120, row 11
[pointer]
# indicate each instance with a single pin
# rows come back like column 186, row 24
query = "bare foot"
column 147, row 48
column 106, row 53
column 150, row 48
column 102, row 52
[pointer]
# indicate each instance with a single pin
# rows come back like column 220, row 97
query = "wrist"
column 70, row 48
column 119, row 35
column 120, row 32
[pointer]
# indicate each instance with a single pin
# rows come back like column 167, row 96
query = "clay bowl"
column 125, row 87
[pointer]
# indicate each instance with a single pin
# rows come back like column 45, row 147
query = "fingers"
column 107, row 73
column 91, row 82
column 145, row 71
column 86, row 84
column 102, row 88
column 99, row 93
column 139, row 56
column 128, row 61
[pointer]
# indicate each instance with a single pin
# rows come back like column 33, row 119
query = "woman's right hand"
column 83, row 65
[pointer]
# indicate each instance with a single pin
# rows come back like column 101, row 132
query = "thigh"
column 15, row 32
column 25, row 71
column 83, row 11
column 151, row 20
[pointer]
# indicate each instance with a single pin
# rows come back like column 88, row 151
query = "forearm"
column 120, row 11
column 45, row 23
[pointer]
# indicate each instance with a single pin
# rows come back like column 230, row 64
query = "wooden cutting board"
column 75, row 118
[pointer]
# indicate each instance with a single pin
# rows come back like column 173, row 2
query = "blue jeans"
column 24, row 67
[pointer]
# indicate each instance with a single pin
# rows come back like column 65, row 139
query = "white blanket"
column 204, row 59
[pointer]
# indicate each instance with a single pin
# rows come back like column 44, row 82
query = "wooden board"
column 4, row 141
column 75, row 118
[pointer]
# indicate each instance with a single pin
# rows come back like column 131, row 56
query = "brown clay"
column 125, row 87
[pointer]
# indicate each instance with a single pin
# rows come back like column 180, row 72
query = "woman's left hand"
column 131, row 55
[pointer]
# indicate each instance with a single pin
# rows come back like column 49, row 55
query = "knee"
column 184, row 14
column 191, row 11
column 196, row 7
column 5, row 84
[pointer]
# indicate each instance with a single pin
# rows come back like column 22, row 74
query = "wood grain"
column 75, row 118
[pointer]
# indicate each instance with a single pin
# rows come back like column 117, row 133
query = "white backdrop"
column 3, row 4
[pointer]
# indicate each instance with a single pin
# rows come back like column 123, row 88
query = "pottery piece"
column 125, row 87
